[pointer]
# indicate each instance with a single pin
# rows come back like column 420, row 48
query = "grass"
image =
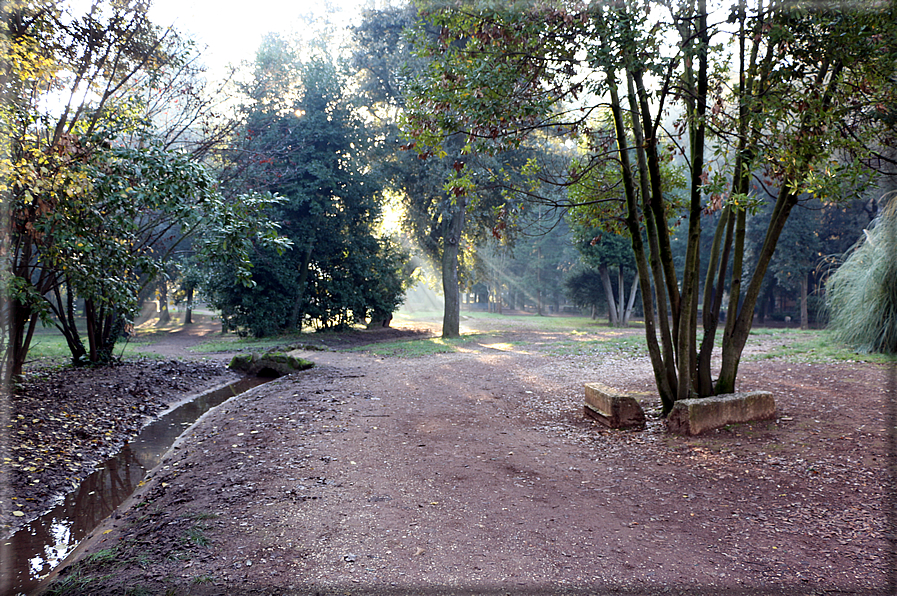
column 104, row 556
column 230, row 343
column 584, row 337
column 74, row 583
column 197, row 535
column 49, row 347
column 634, row 344
column 814, row 346
column 416, row 348
column 204, row 515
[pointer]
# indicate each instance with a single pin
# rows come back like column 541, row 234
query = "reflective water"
column 37, row 548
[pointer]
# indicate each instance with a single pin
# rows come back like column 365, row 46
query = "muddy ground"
column 475, row 472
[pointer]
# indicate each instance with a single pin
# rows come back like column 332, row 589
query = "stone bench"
column 612, row 408
column 694, row 416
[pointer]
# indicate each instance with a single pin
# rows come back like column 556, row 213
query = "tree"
column 85, row 61
column 444, row 222
column 585, row 288
column 862, row 293
column 303, row 140
column 95, row 201
column 603, row 252
column 795, row 99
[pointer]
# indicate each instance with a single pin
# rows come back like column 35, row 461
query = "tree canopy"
column 792, row 108
column 94, row 192
column 303, row 141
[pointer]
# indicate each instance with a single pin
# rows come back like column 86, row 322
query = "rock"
column 272, row 364
column 611, row 408
column 694, row 416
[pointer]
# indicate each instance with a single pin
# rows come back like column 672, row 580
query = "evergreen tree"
column 304, row 142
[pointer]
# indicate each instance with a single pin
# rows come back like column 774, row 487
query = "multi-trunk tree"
column 797, row 90
column 92, row 198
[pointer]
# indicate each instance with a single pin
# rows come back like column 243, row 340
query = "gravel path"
column 475, row 473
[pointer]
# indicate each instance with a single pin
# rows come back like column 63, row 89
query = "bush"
column 862, row 293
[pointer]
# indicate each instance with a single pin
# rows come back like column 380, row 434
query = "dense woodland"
column 698, row 168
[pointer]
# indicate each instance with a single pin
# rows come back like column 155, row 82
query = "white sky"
column 232, row 29
column 229, row 31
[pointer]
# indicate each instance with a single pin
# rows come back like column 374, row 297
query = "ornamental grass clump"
column 862, row 293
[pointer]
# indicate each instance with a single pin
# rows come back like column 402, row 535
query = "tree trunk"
column 539, row 277
column 631, row 302
column 738, row 323
column 22, row 323
column 664, row 361
column 188, row 309
column 295, row 321
column 613, row 320
column 64, row 309
column 713, row 297
column 621, row 287
column 451, row 246
column 164, row 314
column 661, row 378
column 696, row 109
column 804, row 313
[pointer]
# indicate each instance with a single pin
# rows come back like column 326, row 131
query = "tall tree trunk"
column 295, row 321
column 661, row 376
column 696, row 102
column 738, row 323
column 621, row 287
column 804, row 314
column 539, row 277
column 631, row 302
column 739, row 327
column 713, row 297
column 188, row 309
column 451, row 247
column 609, row 294
column 164, row 313
column 663, row 362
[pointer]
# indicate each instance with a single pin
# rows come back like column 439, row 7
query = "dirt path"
column 475, row 472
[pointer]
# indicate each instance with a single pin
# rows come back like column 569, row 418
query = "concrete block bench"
column 694, row 416
column 611, row 408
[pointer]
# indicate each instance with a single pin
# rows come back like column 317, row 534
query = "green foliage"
column 584, row 289
column 97, row 198
column 779, row 127
column 103, row 556
column 303, row 141
column 862, row 293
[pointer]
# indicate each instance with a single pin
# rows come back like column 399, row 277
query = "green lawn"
column 562, row 336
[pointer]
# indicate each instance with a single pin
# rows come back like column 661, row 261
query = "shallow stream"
column 36, row 549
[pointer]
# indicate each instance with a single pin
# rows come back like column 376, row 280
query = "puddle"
column 33, row 551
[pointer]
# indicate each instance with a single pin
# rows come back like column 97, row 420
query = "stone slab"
column 695, row 416
column 612, row 408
